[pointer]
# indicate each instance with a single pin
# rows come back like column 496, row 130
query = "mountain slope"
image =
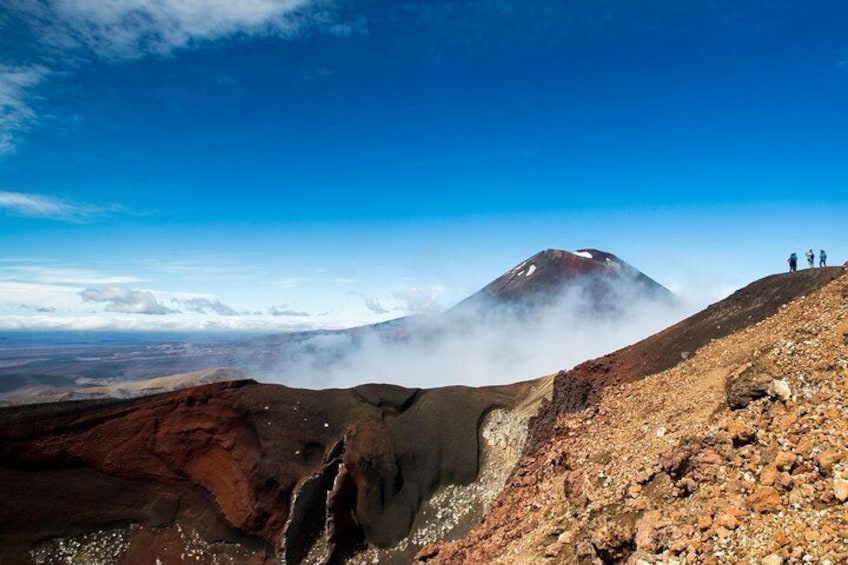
column 734, row 455
column 600, row 276
column 579, row 387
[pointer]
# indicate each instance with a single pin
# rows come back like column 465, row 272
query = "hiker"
column 822, row 258
column 811, row 259
column 793, row 262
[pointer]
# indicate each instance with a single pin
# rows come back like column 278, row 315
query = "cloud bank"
column 476, row 346
column 283, row 311
column 208, row 306
column 126, row 301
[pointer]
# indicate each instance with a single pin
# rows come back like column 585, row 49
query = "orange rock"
column 740, row 432
column 704, row 522
column 553, row 550
column 805, row 446
column 827, row 458
column 784, row 479
column 427, row 552
column 646, row 531
column 765, row 499
column 768, row 476
column 785, row 422
column 722, row 532
column 726, row 520
column 784, row 460
column 840, row 489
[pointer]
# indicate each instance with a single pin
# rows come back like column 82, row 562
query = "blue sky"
column 297, row 163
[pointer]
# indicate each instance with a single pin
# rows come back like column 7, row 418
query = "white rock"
column 780, row 389
column 773, row 559
column 840, row 489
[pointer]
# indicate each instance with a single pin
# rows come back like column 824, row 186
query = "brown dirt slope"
column 735, row 455
column 228, row 461
column 577, row 388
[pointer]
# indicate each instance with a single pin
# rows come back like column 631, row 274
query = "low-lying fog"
column 479, row 345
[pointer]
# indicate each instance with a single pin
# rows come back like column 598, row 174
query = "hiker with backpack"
column 822, row 258
column 811, row 259
column 793, row 262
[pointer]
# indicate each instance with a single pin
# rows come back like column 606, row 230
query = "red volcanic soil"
column 578, row 388
column 231, row 460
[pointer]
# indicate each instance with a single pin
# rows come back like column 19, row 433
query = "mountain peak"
column 540, row 277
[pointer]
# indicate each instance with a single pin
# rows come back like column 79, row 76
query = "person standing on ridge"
column 811, row 259
column 822, row 258
column 793, row 262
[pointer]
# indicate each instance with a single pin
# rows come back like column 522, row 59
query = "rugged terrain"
column 717, row 440
column 243, row 472
column 720, row 440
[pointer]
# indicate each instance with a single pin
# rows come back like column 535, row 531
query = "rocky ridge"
column 737, row 454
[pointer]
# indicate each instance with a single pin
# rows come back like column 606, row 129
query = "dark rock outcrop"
column 265, row 466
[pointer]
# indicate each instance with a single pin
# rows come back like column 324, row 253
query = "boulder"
column 746, row 385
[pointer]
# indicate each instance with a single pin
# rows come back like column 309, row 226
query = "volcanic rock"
column 264, row 467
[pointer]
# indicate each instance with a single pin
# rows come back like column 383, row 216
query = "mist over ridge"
column 547, row 313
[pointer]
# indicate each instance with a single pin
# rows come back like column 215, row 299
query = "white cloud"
column 208, row 306
column 42, row 309
column 16, row 114
column 283, row 311
column 126, row 300
column 42, row 206
column 420, row 300
column 133, row 28
column 372, row 303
